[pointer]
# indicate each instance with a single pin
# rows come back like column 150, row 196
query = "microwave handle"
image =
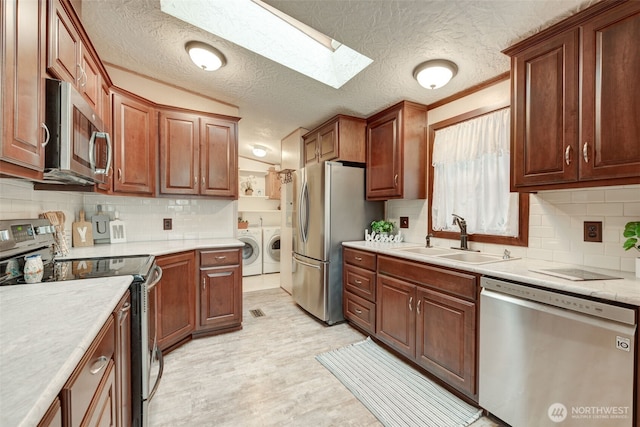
column 92, row 158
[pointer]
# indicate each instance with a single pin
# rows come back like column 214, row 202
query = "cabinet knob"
column 204, row 283
column 221, row 258
column 585, row 152
column 418, row 306
column 410, row 303
column 567, row 155
column 195, row 180
column 395, row 180
column 99, row 365
column 120, row 174
column 358, row 311
column 358, row 282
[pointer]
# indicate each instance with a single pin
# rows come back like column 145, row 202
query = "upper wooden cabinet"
column 574, row 106
column 135, row 140
column 340, row 138
column 198, row 154
column 69, row 57
column 396, row 152
column 22, row 88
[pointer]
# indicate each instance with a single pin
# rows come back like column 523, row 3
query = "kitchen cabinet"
column 175, row 299
column 219, row 291
column 89, row 398
column 22, row 88
column 396, row 152
column 198, row 154
column 359, row 289
column 122, row 319
column 135, row 141
column 574, row 101
column 340, row 138
column 425, row 312
column 273, row 184
column 68, row 55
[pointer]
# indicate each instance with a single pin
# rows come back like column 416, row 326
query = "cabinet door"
column 395, row 315
column 446, row 338
column 545, row 112
column 176, row 298
column 103, row 410
column 89, row 82
column 219, row 158
column 328, row 142
column 220, row 297
column 53, row 416
column 179, row 153
column 22, row 94
column 274, row 185
column 311, row 148
column 122, row 356
column 64, row 45
column 134, row 140
column 610, row 145
column 384, row 156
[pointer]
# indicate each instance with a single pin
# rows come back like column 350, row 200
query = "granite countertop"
column 625, row 290
column 45, row 329
column 155, row 247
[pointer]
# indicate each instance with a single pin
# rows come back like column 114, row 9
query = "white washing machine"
column 252, row 250
column 271, row 250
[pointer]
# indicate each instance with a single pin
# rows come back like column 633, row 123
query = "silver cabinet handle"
column 410, row 302
column 82, row 79
column 46, row 132
column 358, row 311
column 358, row 282
column 126, row 307
column 99, row 365
column 358, row 258
column 119, row 174
column 195, row 180
column 395, row 180
column 202, row 181
column 567, row 155
column 221, row 257
column 585, row 152
column 418, row 306
column 204, row 283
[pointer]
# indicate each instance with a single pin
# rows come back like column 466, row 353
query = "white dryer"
column 271, row 250
column 252, row 250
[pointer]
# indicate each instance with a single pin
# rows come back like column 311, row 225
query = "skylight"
column 268, row 32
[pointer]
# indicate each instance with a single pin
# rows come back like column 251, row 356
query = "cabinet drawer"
column 451, row 281
column 78, row 392
column 360, row 312
column 214, row 258
column 360, row 282
column 360, row 258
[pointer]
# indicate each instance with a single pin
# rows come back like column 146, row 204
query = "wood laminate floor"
column 264, row 375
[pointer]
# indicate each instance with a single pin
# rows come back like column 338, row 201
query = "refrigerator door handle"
column 304, row 212
column 306, row 264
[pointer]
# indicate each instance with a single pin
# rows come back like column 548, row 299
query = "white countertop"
column 625, row 290
column 45, row 329
column 155, row 247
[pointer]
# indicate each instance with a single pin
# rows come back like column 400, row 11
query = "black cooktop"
column 138, row 266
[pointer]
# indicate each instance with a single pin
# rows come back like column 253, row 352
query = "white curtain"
column 471, row 176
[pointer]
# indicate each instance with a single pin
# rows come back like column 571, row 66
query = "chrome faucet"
column 460, row 222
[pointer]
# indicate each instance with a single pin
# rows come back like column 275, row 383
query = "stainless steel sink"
column 433, row 251
column 474, row 257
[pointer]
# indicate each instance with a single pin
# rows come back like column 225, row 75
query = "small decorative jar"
column 33, row 269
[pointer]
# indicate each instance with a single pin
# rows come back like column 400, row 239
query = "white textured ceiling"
column 274, row 101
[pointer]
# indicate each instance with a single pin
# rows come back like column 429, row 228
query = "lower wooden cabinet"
column 176, row 299
column 53, row 416
column 424, row 312
column 220, row 291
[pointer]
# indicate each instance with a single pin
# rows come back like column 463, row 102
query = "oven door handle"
column 158, row 271
column 160, row 370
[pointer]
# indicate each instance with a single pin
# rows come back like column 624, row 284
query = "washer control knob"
column 4, row 235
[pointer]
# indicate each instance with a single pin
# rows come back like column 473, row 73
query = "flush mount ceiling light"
column 259, row 151
column 204, row 56
column 262, row 29
column 435, row 73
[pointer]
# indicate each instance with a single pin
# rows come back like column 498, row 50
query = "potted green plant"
column 242, row 223
column 382, row 226
column 632, row 233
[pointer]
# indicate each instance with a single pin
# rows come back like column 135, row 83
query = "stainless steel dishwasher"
column 550, row 359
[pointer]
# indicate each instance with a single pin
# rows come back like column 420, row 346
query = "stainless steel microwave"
column 79, row 149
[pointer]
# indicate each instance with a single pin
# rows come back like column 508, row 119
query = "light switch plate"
column 167, row 224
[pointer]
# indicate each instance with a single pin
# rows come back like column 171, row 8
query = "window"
column 469, row 176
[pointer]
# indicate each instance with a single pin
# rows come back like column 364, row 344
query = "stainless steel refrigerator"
column 329, row 208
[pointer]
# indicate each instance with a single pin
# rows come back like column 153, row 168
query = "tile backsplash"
column 143, row 217
column 556, row 226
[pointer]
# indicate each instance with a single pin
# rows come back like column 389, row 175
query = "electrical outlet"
column 593, row 231
column 167, row 224
column 404, row 222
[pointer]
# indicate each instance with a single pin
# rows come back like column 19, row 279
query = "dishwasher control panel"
column 556, row 299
